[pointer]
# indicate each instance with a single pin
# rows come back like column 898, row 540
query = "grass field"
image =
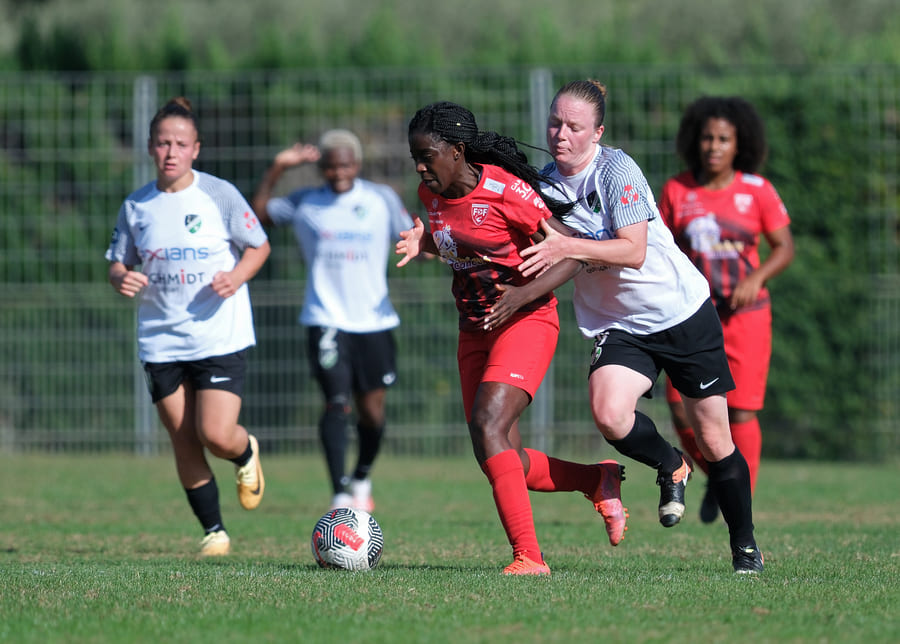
column 102, row 549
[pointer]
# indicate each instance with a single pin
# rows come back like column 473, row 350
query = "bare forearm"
column 550, row 279
column 264, row 193
column 251, row 261
column 607, row 252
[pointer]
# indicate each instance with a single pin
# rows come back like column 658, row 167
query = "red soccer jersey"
column 480, row 236
column 720, row 229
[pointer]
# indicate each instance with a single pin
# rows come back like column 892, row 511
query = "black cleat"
column 746, row 560
column 671, row 493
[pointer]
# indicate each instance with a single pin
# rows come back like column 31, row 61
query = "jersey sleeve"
column 525, row 208
column 121, row 246
column 281, row 209
column 627, row 192
column 400, row 219
column 240, row 220
column 773, row 211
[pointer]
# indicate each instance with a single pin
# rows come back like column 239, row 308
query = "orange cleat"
column 522, row 565
column 607, row 500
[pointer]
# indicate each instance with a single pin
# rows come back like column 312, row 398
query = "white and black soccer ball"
column 348, row 539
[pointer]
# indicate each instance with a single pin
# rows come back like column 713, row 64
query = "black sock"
column 645, row 445
column 244, row 458
column 369, row 443
column 730, row 479
column 204, row 501
column 333, row 434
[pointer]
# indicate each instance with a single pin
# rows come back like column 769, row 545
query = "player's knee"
column 613, row 422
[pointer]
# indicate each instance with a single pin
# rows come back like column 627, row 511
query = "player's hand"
column 129, row 283
column 745, row 293
column 510, row 301
column 297, row 154
column 541, row 256
column 225, row 284
column 410, row 244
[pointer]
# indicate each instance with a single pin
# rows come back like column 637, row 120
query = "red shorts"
column 518, row 353
column 748, row 345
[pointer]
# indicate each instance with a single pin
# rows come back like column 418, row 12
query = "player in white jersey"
column 647, row 308
column 344, row 228
column 198, row 243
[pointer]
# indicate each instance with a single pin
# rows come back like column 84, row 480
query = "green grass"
column 101, row 549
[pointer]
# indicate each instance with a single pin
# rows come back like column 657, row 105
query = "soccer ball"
column 348, row 539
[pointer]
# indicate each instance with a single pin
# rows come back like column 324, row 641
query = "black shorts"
column 218, row 372
column 346, row 363
column 691, row 353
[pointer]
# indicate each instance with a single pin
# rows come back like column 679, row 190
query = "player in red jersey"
column 717, row 210
column 484, row 207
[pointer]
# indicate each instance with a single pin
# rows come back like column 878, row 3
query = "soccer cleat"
column 709, row 508
column 607, row 500
column 671, row 493
column 341, row 500
column 522, row 565
column 250, row 481
column 215, row 544
column 747, row 560
column 361, row 491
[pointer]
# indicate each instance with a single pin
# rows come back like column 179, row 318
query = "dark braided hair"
column 178, row 106
column 453, row 123
column 752, row 148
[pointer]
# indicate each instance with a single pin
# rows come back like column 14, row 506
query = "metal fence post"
column 542, row 413
column 144, row 108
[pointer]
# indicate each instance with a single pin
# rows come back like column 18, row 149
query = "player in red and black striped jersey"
column 718, row 209
column 484, row 207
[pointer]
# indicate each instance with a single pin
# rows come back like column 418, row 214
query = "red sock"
column 748, row 439
column 548, row 474
column 689, row 444
column 507, row 478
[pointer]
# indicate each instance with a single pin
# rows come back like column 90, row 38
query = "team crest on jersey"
column 359, row 211
column 479, row 213
column 743, row 202
column 192, row 223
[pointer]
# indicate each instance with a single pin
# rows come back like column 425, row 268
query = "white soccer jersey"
column 609, row 194
column 181, row 240
column 345, row 240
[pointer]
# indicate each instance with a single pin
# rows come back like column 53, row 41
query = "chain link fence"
column 74, row 145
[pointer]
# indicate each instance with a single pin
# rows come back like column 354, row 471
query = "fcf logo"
column 479, row 213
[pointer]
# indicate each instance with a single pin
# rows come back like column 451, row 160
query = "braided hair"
column 454, row 124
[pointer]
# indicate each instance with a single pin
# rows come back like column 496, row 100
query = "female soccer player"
column 344, row 229
column 483, row 208
column 717, row 209
column 646, row 307
column 198, row 244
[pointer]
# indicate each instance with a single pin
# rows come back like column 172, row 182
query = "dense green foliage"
column 270, row 34
column 102, row 549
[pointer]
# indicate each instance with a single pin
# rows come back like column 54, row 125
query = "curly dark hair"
column 752, row 148
column 453, row 123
